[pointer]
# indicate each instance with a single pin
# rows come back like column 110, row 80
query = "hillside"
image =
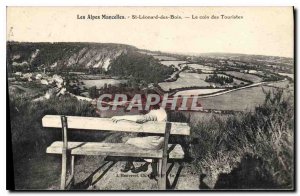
column 113, row 59
column 63, row 55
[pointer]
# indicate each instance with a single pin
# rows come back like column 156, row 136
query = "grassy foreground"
column 248, row 150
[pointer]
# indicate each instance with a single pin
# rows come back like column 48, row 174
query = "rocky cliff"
column 77, row 56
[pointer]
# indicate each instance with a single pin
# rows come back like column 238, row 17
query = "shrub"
column 266, row 134
column 28, row 135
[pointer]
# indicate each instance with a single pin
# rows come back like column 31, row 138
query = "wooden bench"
column 71, row 148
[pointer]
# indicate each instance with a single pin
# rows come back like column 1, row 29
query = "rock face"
column 77, row 56
column 93, row 57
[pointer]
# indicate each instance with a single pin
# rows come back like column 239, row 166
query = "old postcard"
column 151, row 98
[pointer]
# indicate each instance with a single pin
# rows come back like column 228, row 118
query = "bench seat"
column 114, row 149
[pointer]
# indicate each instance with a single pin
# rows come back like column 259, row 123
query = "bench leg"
column 72, row 165
column 63, row 170
column 162, row 171
column 159, row 168
column 70, row 181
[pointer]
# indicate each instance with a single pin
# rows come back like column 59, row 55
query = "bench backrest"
column 106, row 124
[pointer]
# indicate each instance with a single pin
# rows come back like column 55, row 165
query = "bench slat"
column 94, row 123
column 114, row 149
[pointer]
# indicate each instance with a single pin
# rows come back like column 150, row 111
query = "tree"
column 215, row 78
column 93, row 92
column 140, row 68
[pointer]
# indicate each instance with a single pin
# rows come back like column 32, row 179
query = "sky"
column 262, row 30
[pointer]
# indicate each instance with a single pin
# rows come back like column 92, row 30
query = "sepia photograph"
column 151, row 98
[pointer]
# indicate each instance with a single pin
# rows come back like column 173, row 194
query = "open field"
column 165, row 58
column 148, row 53
column 185, row 80
column 245, row 99
column 77, row 73
column 197, row 92
column 175, row 63
column 202, row 67
column 237, row 81
column 249, row 77
column 207, row 71
column 282, row 84
column 287, row 74
column 90, row 77
column 101, row 83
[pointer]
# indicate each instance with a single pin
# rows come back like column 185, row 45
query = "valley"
column 87, row 70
